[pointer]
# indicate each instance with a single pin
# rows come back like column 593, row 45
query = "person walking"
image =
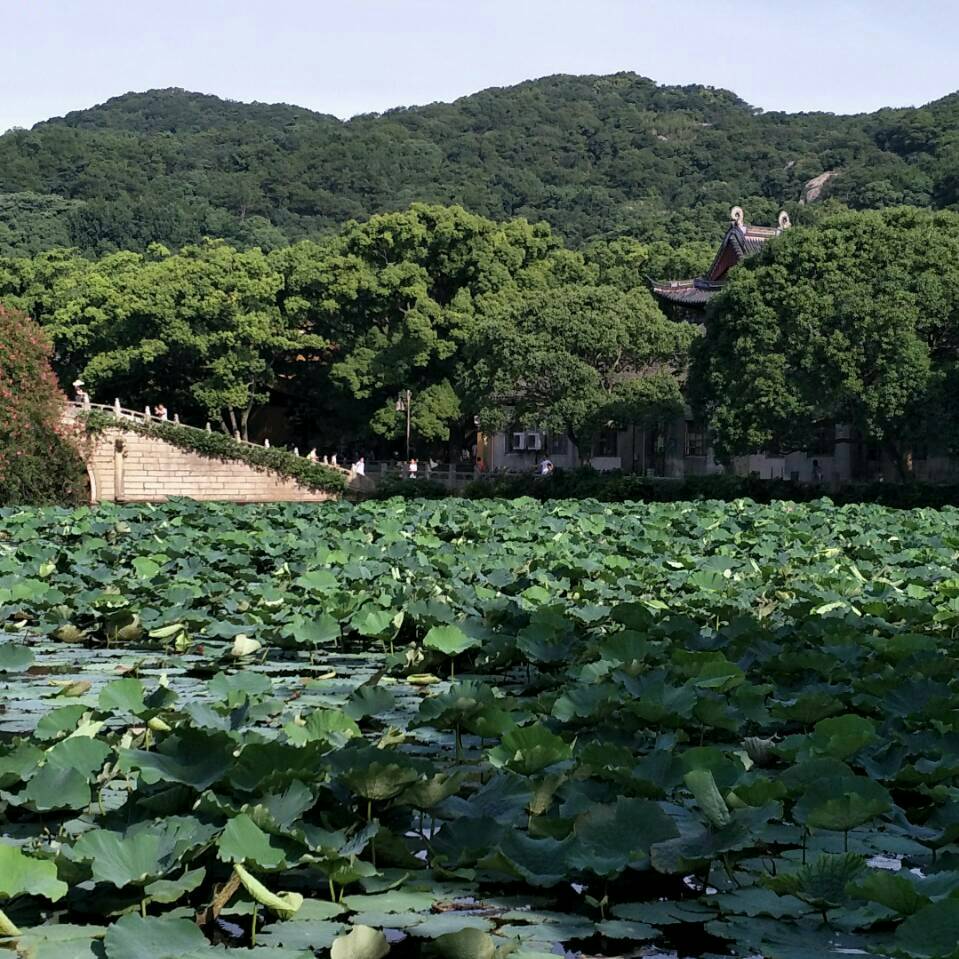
column 545, row 466
column 359, row 467
column 413, row 469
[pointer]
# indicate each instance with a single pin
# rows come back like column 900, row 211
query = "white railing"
column 147, row 416
column 451, row 475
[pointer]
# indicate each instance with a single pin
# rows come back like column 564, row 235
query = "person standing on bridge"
column 81, row 394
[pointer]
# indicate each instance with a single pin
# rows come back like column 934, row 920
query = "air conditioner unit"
column 534, row 441
column 519, row 441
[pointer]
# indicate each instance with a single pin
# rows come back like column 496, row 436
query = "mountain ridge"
column 175, row 91
column 596, row 156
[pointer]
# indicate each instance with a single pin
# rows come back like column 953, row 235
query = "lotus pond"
column 479, row 729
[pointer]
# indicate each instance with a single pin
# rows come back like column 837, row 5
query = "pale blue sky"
column 352, row 56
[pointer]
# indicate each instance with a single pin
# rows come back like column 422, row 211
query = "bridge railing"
column 451, row 475
column 146, row 415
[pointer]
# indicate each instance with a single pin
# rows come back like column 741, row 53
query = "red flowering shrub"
column 40, row 461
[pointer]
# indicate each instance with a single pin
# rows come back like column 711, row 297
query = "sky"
column 356, row 56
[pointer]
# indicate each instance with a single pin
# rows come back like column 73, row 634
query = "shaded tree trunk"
column 901, row 460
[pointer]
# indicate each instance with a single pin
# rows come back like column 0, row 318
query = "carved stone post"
column 118, row 451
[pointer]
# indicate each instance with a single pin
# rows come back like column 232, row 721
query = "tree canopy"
column 201, row 329
column 434, row 300
column 594, row 156
column 854, row 321
column 397, row 296
column 576, row 358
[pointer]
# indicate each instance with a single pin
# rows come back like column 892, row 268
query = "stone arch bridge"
column 125, row 465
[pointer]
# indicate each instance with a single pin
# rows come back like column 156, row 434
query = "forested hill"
column 594, row 156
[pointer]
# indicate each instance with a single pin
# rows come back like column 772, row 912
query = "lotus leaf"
column 466, row 944
column 703, row 689
column 530, row 749
column 842, row 803
column 901, row 893
column 608, row 838
column 450, row 640
column 15, row 658
column 22, row 874
column 135, row 937
column 702, row 785
column 932, row 932
column 284, row 904
column 842, row 736
column 361, row 942
column 244, row 841
column 123, row 695
column 822, row 883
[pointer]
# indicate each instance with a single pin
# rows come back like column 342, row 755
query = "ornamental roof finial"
column 736, row 215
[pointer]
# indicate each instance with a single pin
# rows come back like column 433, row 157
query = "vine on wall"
column 217, row 446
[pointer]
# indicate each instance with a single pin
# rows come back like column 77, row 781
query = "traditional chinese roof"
column 687, row 292
column 741, row 240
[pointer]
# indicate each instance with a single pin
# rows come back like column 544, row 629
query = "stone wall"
column 129, row 468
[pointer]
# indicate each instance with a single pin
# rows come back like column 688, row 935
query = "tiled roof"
column 741, row 240
column 689, row 292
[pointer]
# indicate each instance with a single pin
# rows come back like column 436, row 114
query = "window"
column 607, row 444
column 517, row 439
column 824, row 442
column 558, row 444
column 695, row 439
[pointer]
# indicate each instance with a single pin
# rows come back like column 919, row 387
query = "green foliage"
column 32, row 222
column 596, row 156
column 39, row 459
column 718, row 721
column 21, row 874
column 449, row 640
column 136, row 937
column 931, row 933
column 432, row 300
column 575, row 358
column 398, row 296
column 393, row 486
column 586, row 483
column 361, row 942
column 198, row 330
column 822, row 883
column 851, row 321
column 219, row 446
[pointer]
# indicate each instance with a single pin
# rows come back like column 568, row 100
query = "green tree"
column 397, row 297
column 854, row 321
column 595, row 156
column 576, row 358
column 200, row 330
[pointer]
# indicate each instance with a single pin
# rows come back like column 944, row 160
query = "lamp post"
column 405, row 403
